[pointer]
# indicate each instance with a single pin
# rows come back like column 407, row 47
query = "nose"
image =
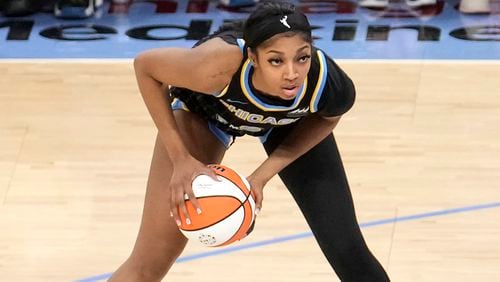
column 290, row 72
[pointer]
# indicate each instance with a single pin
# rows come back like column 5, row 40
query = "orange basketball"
column 228, row 209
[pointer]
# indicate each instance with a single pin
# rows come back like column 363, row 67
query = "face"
column 281, row 65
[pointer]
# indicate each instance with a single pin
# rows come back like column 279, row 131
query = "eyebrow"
column 298, row 50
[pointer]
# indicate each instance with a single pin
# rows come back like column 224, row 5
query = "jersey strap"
column 320, row 84
column 222, row 93
column 241, row 43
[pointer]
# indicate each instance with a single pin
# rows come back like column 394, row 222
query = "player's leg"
column 160, row 242
column 319, row 185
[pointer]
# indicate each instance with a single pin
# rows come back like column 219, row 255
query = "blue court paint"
column 282, row 239
column 343, row 29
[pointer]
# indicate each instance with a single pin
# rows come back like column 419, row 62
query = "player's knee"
column 154, row 272
column 356, row 263
column 146, row 270
column 134, row 270
column 150, row 266
column 352, row 253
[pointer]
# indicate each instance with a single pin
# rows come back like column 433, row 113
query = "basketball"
column 228, row 209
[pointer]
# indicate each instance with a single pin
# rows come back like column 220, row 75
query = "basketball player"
column 263, row 79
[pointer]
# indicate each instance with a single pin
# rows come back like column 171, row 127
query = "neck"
column 257, row 82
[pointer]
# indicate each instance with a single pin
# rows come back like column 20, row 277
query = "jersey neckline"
column 258, row 102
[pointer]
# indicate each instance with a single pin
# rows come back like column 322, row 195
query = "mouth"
column 289, row 91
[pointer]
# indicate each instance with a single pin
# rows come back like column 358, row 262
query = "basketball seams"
column 222, row 219
column 224, row 188
column 232, row 175
column 245, row 221
column 232, row 239
column 245, row 193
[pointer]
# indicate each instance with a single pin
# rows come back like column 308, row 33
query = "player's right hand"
column 184, row 172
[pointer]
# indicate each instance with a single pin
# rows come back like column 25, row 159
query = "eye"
column 304, row 58
column 275, row 61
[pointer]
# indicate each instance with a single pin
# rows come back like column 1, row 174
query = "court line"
column 309, row 234
column 16, row 164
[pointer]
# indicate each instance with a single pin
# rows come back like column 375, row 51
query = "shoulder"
column 321, row 59
column 337, row 93
column 218, row 60
column 206, row 68
column 323, row 63
column 218, row 54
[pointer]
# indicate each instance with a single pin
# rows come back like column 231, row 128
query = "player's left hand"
column 256, row 188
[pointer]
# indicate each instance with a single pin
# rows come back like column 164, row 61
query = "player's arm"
column 206, row 69
column 308, row 133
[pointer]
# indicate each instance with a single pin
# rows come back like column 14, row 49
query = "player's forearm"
column 305, row 136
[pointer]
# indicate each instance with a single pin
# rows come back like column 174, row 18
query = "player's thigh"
column 198, row 138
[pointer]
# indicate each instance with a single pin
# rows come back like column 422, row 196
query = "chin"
column 288, row 97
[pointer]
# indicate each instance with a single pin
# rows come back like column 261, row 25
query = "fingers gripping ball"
column 228, row 209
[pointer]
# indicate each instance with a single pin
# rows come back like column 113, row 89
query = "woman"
column 273, row 84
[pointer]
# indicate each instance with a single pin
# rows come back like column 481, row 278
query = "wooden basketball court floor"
column 420, row 148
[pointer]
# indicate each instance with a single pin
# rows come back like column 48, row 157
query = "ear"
column 252, row 56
